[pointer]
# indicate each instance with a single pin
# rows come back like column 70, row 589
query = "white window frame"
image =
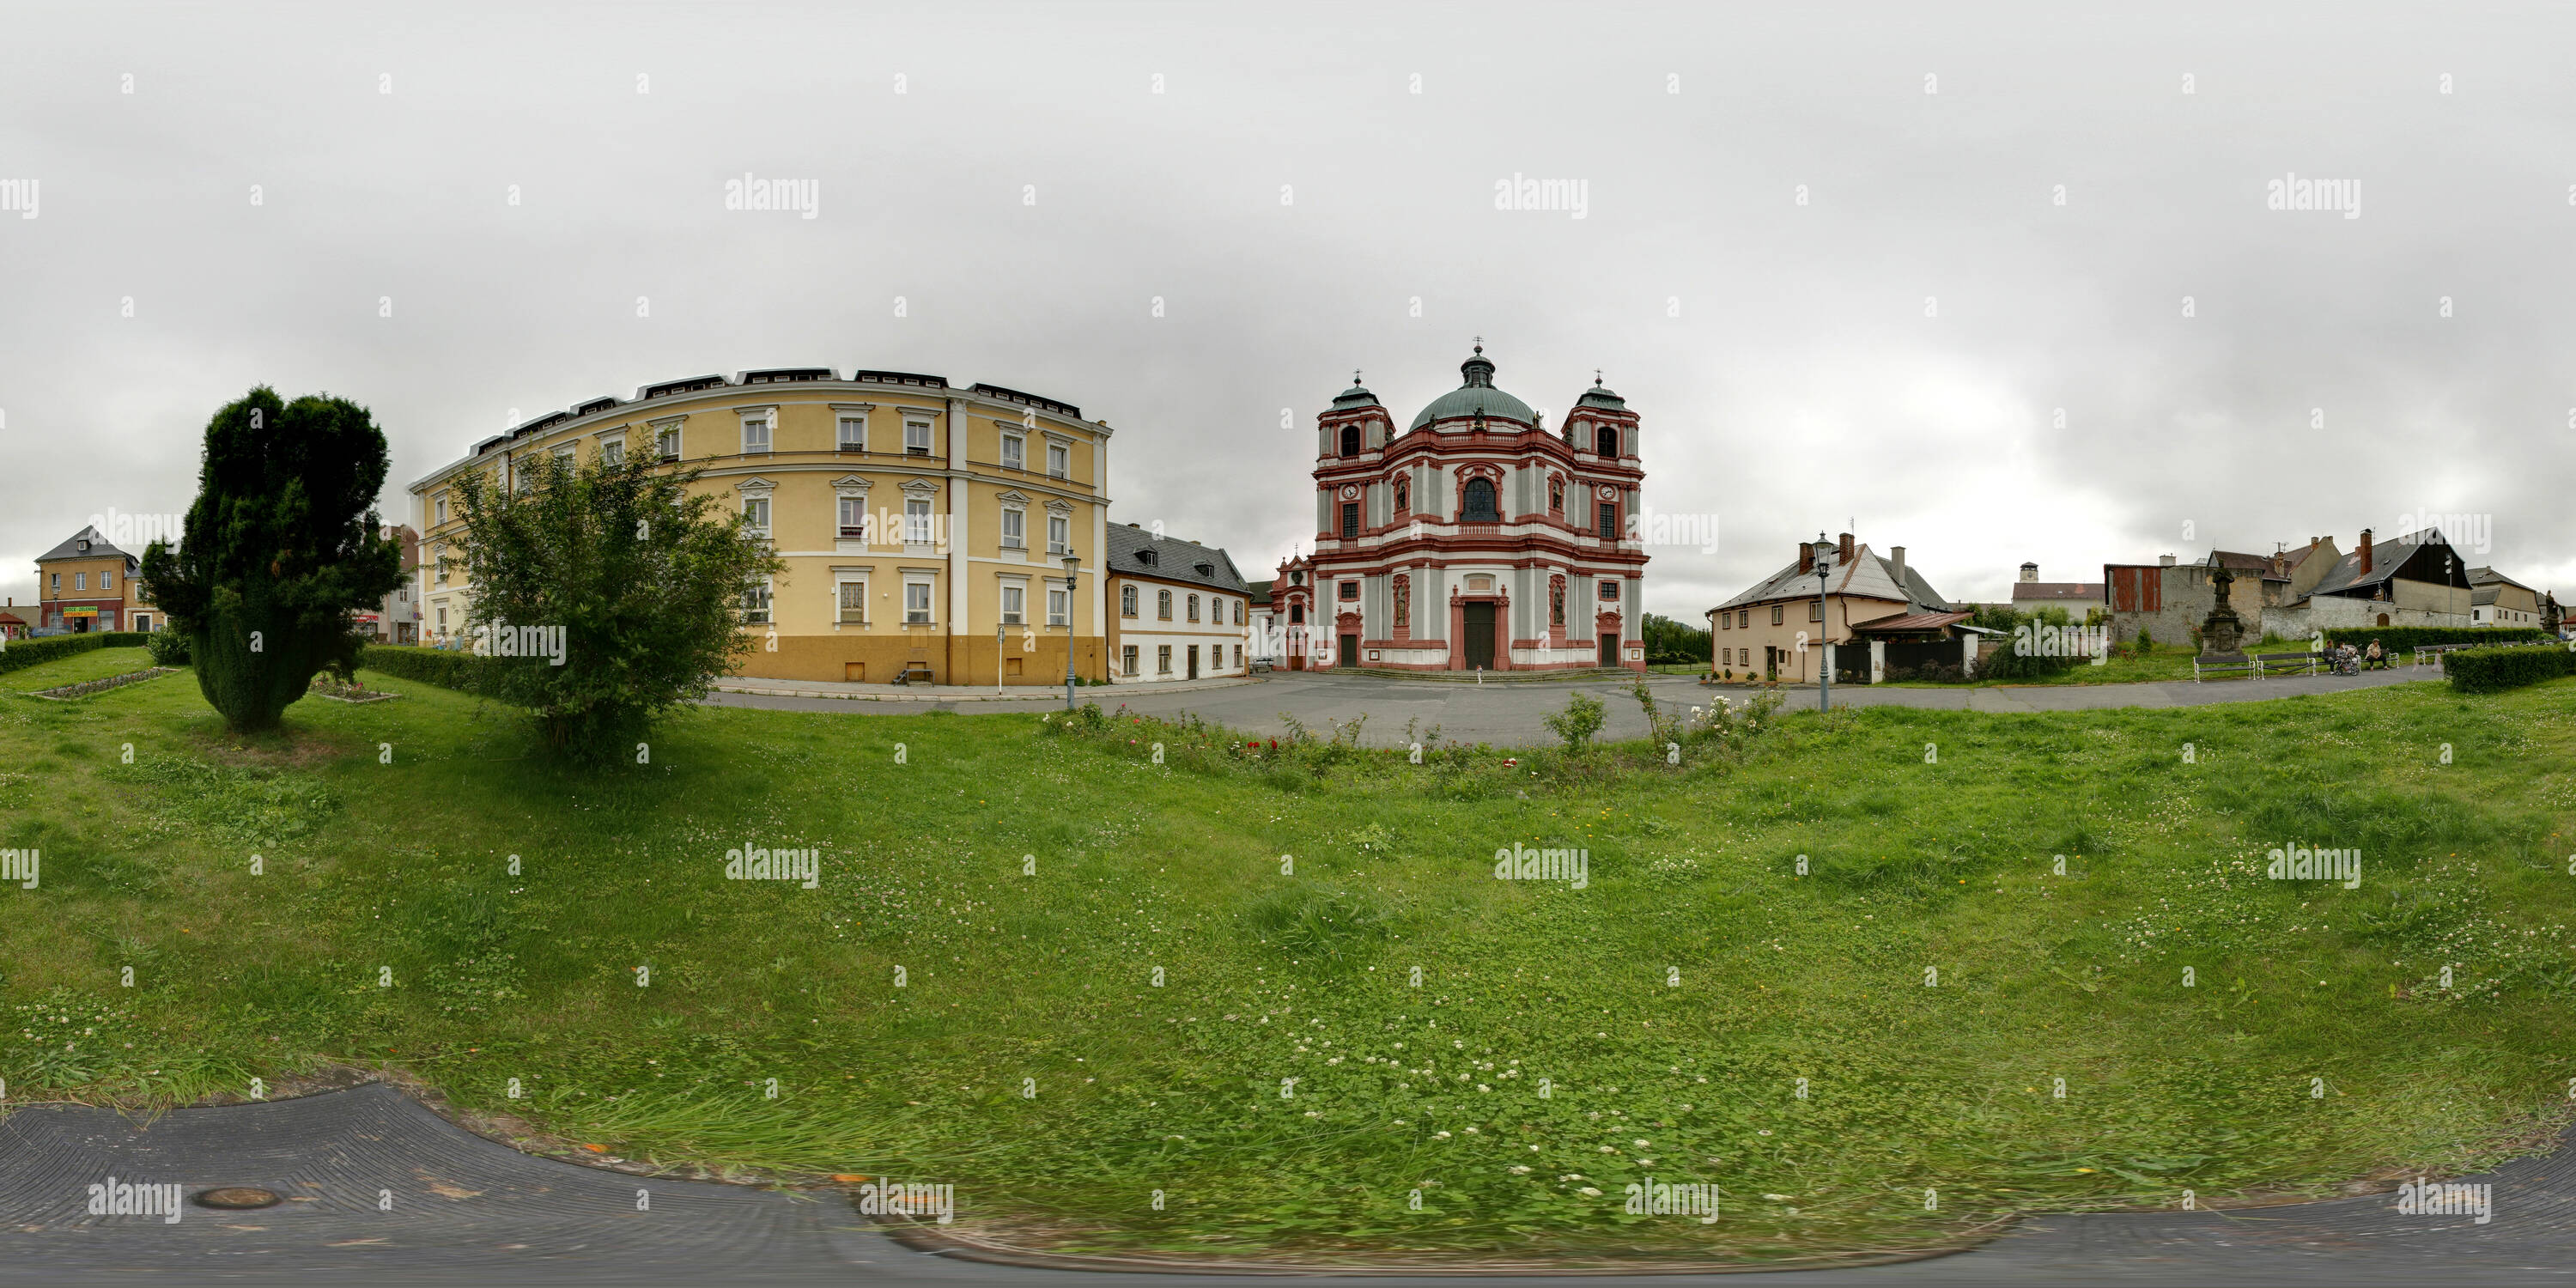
column 1059, row 606
column 763, row 614
column 1015, row 452
column 847, row 530
column 612, row 451
column 564, row 451
column 917, row 523
column 1059, row 461
column 80, row 581
column 1194, row 608
column 843, row 438
column 1015, row 527
column 1162, row 605
column 438, row 506
column 916, row 427
column 667, row 444
column 1015, row 597
column 1126, row 601
column 755, row 516
column 1059, row 532
column 107, row 579
column 842, row 612
column 927, row 614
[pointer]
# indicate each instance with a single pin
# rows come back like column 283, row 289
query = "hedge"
column 26, row 653
column 448, row 669
column 2398, row 638
column 2486, row 670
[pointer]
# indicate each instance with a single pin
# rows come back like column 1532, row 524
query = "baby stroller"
column 2347, row 661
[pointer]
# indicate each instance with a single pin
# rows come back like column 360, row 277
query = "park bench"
column 2431, row 654
column 2282, row 663
column 2200, row 669
column 915, row 673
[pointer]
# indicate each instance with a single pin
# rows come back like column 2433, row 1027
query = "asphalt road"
column 381, row 1190
column 1507, row 715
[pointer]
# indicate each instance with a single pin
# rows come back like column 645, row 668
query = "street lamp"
column 1824, row 651
column 1072, row 565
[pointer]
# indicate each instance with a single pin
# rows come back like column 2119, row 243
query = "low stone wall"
column 2325, row 612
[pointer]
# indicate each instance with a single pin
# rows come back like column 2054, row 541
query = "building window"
column 107, row 580
column 442, row 619
column 1609, row 591
column 1059, row 534
column 612, row 452
column 1815, row 610
column 439, row 508
column 916, row 520
column 1059, row 460
column 1059, row 606
column 1556, row 496
column 1013, row 602
column 1127, row 601
column 755, row 515
column 854, row 434
column 1403, row 495
column 1607, row 440
column 755, row 601
column 1480, row 507
column 1350, row 518
column 80, row 581
column 1014, row 452
column 1163, row 604
column 666, row 442
column 1609, row 526
column 854, row 603
column 916, row 438
column 1127, row 656
column 854, row 518
column 1238, row 655
column 1015, row 524
column 1726, row 621
column 916, row 603
column 1350, row 591
column 1350, row 440
column 755, row 434
column 1163, row 660
column 1238, row 612
column 58, row 583
column 1775, row 614
column 1296, row 614
column 1194, row 608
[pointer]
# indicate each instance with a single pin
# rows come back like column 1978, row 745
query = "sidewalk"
column 961, row 692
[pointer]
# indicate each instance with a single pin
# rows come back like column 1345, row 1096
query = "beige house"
column 924, row 527
column 1775, row 629
column 2499, row 600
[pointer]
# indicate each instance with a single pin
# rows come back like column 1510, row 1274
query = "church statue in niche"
column 1403, row 602
column 1556, row 602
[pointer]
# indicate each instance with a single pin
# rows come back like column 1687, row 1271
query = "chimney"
column 1843, row 549
column 2365, row 552
column 1896, row 560
column 1806, row 557
column 2030, row 572
column 2164, row 561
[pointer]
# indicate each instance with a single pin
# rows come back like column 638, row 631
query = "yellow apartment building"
column 923, row 527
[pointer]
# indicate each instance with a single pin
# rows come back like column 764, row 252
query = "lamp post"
column 998, row 630
column 1824, row 651
column 1072, row 565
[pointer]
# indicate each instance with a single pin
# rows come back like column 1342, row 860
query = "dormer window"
column 1145, row 557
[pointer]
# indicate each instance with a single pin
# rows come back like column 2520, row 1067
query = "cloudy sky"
column 1992, row 283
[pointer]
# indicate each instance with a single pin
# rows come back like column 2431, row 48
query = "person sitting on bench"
column 2376, row 659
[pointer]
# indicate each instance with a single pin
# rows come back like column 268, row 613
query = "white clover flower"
column 1589, row 1192
column 1518, row 1169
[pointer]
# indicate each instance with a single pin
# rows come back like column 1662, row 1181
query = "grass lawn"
column 1287, row 1086
column 96, row 664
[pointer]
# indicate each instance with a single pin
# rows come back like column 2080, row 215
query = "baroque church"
column 1476, row 538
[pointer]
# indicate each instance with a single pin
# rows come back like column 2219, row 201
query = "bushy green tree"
column 280, row 547
column 644, row 578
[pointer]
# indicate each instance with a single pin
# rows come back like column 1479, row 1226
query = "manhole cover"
column 237, row 1196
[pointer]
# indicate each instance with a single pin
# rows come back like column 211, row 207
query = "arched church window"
column 1480, row 503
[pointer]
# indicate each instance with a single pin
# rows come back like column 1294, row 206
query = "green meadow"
column 1064, row 977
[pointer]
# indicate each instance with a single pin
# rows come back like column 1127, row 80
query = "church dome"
column 1476, row 396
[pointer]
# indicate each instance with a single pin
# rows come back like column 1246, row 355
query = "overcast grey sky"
column 1779, row 353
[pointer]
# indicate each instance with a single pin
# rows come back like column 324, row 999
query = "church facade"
column 1475, row 538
